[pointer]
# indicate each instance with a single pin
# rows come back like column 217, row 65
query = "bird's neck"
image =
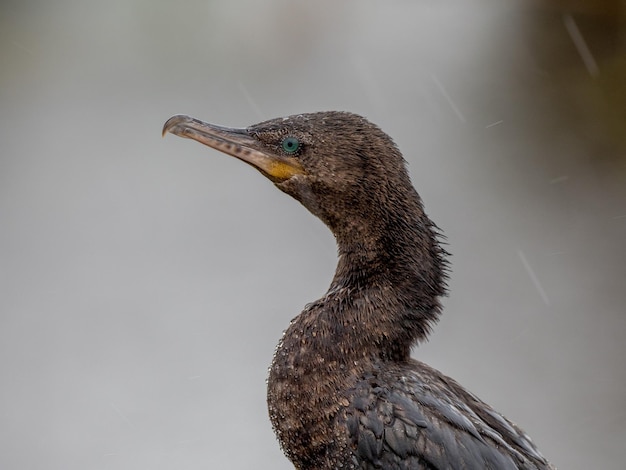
column 390, row 285
column 383, row 298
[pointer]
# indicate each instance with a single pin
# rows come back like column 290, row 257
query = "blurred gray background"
column 144, row 282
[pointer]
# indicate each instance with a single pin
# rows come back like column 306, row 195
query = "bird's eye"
column 290, row 145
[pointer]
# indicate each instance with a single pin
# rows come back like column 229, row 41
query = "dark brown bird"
column 343, row 391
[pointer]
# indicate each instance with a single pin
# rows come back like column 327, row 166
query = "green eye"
column 290, row 144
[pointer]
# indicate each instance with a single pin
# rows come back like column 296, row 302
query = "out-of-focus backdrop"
column 144, row 282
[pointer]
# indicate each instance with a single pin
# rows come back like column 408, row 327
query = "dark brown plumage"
column 343, row 391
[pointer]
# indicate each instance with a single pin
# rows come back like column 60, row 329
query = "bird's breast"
column 306, row 392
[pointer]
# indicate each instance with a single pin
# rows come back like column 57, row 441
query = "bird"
column 343, row 391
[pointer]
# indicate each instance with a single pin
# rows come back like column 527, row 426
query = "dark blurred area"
column 144, row 282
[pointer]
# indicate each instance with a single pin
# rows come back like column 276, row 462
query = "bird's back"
column 410, row 416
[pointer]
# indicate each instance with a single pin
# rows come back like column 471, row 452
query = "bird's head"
column 343, row 168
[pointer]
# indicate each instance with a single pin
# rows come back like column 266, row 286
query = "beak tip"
column 172, row 122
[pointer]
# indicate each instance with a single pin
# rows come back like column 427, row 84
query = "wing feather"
column 427, row 421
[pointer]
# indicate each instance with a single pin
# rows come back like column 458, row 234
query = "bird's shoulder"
column 412, row 416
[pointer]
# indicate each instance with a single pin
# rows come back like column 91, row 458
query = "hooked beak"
column 237, row 143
